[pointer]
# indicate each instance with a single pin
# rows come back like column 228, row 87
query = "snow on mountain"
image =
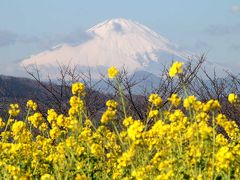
column 117, row 42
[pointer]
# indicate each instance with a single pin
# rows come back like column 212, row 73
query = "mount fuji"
column 114, row 42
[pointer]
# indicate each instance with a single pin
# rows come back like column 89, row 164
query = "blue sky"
column 28, row 27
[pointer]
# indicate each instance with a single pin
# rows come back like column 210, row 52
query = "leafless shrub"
column 194, row 80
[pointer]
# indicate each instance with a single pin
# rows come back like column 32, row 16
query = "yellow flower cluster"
column 78, row 88
column 175, row 69
column 112, row 72
column 14, row 110
column 32, row 105
column 36, row 119
column 232, row 98
column 111, row 112
column 175, row 100
column 155, row 99
column 172, row 143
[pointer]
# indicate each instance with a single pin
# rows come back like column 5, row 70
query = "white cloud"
column 43, row 41
column 235, row 9
column 74, row 38
column 221, row 30
column 7, row 38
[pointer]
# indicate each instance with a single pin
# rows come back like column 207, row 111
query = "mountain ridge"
column 115, row 42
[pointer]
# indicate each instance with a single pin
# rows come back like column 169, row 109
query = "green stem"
column 122, row 99
column 214, row 142
column 116, row 130
column 7, row 123
column 147, row 121
column 28, row 112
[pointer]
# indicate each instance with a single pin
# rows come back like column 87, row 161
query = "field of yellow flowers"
column 172, row 143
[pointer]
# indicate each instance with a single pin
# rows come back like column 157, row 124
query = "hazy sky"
column 30, row 26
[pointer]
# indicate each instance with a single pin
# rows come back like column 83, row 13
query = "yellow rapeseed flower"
column 155, row 99
column 135, row 130
column 175, row 100
column 52, row 116
column 2, row 123
column 96, row 149
column 47, row 177
column 175, row 69
column 36, row 119
column 78, row 88
column 128, row 121
column 153, row 113
column 112, row 72
column 14, row 109
column 54, row 132
column 108, row 115
column 31, row 105
column 111, row 104
column 232, row 98
column 18, row 126
column 189, row 102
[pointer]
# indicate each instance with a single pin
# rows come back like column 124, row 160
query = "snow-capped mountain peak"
column 117, row 42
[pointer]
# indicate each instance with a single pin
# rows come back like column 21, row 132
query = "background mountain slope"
column 118, row 42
